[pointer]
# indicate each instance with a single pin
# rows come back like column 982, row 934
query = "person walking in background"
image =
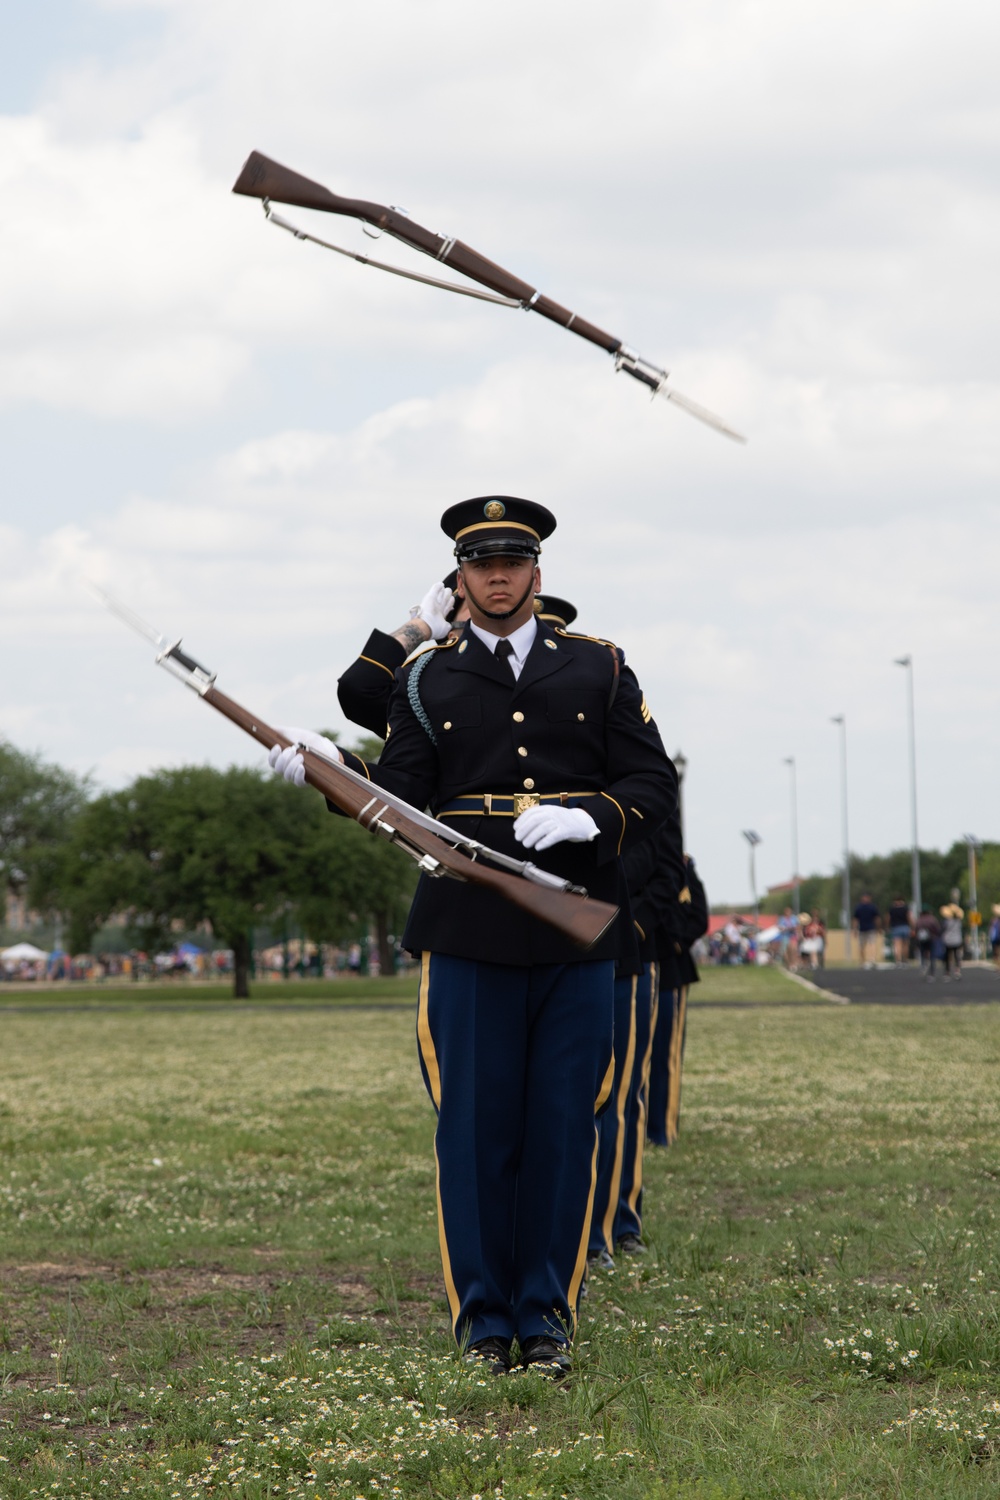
column 994, row 935
column 952, row 937
column 866, row 925
column 928, row 936
column 900, row 930
column 813, row 943
column 788, row 926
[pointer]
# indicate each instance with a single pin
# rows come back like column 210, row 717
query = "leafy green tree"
column 38, row 802
column 886, row 876
column 194, row 844
column 237, row 848
column 349, row 879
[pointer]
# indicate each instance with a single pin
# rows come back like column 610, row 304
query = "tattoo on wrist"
column 412, row 634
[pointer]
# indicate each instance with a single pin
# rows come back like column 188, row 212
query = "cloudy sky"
column 794, row 206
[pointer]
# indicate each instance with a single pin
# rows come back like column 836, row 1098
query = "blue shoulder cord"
column 413, row 694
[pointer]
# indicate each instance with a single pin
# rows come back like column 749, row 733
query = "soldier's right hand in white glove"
column 289, row 763
column 541, row 827
column 432, row 609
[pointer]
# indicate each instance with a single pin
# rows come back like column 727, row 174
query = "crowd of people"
column 794, row 941
column 935, row 940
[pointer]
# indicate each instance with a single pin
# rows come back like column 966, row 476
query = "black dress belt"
column 505, row 804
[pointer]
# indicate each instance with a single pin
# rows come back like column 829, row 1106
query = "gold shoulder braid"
column 426, row 646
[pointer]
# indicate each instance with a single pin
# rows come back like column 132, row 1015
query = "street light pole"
column 845, row 888
column 790, row 763
column 974, row 847
column 917, row 897
column 680, row 765
column 753, row 839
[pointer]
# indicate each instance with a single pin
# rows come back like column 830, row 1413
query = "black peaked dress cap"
column 492, row 524
column 554, row 611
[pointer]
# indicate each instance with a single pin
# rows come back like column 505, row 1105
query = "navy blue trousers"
column 665, row 1069
column 622, row 1126
column 517, row 1062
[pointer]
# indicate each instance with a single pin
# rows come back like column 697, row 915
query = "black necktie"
column 503, row 653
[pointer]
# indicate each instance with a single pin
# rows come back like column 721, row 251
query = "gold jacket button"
column 519, row 717
column 447, row 723
column 529, row 783
column 521, row 750
column 580, row 717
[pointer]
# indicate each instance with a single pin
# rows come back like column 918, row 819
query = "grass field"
column 219, row 1273
column 401, row 989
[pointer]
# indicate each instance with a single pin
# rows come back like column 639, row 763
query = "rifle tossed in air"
column 269, row 180
column 437, row 849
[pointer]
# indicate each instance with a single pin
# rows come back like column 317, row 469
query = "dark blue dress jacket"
column 574, row 723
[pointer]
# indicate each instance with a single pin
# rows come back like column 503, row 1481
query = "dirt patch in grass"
column 53, row 1305
column 90, row 1323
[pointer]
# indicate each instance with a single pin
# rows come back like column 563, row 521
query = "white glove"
column 436, row 603
column 541, row 827
column 289, row 763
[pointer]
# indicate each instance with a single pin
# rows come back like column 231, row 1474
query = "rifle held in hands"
column 564, row 906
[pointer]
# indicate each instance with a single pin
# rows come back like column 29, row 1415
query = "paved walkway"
column 907, row 986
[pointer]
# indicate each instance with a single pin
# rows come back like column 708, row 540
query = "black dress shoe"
column 547, row 1356
column 600, row 1260
column 493, row 1352
column 631, row 1244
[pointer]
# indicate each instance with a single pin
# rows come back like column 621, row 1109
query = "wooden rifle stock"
column 263, row 178
column 580, row 918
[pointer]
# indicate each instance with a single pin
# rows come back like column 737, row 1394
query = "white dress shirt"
column 521, row 642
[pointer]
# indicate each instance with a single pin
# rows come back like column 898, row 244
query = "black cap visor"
column 472, row 547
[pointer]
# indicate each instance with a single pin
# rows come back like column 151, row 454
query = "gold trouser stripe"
column 429, row 1055
column 676, row 1058
column 454, row 1301
column 424, row 1038
column 647, row 1058
column 619, row 807
column 375, row 663
column 606, row 1085
column 576, row 1280
column 608, row 1227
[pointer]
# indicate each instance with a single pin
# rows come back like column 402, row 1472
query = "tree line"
column 888, row 876
column 239, row 849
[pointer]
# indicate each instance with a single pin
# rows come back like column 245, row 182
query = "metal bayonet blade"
column 130, row 618
column 702, row 413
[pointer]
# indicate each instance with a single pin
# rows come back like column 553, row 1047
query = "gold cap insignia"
column 538, row 606
column 494, row 510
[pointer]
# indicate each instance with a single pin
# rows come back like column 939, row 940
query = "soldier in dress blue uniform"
column 653, row 873
column 536, row 742
column 685, row 920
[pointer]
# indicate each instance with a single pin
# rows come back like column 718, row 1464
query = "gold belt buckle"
column 524, row 800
